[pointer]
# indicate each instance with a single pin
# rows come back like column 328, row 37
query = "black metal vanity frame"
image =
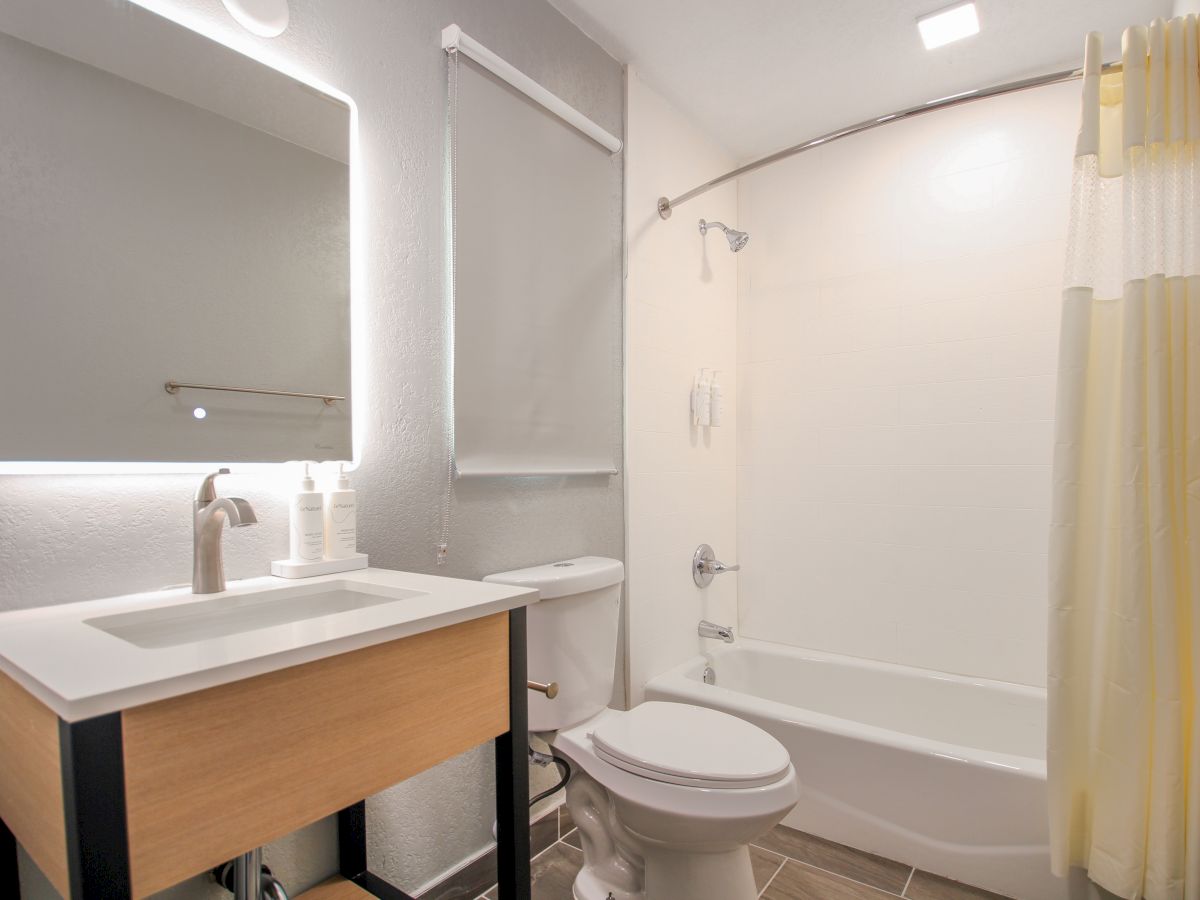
column 94, row 805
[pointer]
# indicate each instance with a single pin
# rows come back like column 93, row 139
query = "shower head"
column 737, row 239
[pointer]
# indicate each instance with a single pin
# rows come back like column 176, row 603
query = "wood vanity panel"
column 213, row 774
column 31, row 797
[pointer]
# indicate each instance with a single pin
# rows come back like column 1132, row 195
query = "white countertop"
column 80, row 671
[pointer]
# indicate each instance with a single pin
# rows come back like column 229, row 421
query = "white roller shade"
column 536, row 364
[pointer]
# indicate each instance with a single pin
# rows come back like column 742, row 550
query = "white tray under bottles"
column 287, row 568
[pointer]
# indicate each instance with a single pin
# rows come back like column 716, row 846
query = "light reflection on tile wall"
column 681, row 301
column 898, row 318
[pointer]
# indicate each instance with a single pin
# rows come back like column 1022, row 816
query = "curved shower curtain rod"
column 667, row 204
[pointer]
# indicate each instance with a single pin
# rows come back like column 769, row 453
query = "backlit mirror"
column 171, row 211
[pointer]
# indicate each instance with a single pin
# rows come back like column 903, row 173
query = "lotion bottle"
column 704, row 399
column 307, row 522
column 341, row 513
column 717, row 413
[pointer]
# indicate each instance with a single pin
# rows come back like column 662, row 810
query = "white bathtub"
column 938, row 771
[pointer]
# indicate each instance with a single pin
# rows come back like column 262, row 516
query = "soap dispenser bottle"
column 341, row 514
column 307, row 522
column 704, row 399
column 717, row 402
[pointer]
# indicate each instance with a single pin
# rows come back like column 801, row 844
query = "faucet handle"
column 207, row 492
column 706, row 566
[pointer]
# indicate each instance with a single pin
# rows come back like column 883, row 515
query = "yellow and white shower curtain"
column 1124, row 665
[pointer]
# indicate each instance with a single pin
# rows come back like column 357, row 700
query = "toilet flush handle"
column 550, row 690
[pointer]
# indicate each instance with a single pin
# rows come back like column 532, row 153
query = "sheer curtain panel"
column 1124, row 752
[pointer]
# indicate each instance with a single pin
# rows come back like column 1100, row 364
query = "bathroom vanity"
column 146, row 739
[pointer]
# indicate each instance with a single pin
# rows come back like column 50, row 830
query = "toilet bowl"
column 667, row 796
column 685, row 789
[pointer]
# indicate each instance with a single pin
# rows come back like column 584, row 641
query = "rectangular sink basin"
column 201, row 620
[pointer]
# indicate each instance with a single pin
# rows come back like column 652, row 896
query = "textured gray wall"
column 71, row 537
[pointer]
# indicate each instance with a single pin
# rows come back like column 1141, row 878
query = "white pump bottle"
column 307, row 522
column 341, row 515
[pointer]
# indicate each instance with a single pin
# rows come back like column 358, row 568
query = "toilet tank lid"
column 562, row 579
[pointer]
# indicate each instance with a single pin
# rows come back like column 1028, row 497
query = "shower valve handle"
column 706, row 566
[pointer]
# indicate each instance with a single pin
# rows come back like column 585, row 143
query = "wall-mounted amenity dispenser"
column 708, row 408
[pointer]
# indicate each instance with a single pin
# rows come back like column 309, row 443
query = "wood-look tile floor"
column 788, row 865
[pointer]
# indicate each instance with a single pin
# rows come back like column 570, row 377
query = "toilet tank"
column 572, row 636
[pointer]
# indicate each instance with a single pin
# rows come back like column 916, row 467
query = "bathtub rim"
column 684, row 682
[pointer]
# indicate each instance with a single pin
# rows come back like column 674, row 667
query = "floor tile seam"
column 540, row 853
column 779, row 868
column 846, row 877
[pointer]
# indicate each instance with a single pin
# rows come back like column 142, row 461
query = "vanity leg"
column 352, row 854
column 512, row 772
column 10, row 876
column 93, row 777
column 352, row 840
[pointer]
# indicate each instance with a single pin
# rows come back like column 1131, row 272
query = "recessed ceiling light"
column 948, row 25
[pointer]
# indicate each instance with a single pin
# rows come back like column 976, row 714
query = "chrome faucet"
column 708, row 629
column 209, row 514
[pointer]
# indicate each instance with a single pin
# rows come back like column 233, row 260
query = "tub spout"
column 709, row 629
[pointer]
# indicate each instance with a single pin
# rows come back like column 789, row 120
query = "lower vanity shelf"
column 336, row 889
column 131, row 802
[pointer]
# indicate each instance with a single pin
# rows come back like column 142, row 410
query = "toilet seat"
column 688, row 814
column 692, row 746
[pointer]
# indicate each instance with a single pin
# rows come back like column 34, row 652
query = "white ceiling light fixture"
column 948, row 25
column 266, row 18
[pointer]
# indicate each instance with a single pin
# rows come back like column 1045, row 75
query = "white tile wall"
column 897, row 323
column 681, row 309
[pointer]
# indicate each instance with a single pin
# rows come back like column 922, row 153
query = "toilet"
column 667, row 796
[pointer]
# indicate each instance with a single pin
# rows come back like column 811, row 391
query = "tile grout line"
column 782, row 862
column 784, row 859
column 540, row 853
column 801, row 862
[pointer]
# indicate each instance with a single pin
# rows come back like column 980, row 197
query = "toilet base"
column 674, row 875
column 588, row 887
column 621, row 865
column 612, row 865
column 680, row 876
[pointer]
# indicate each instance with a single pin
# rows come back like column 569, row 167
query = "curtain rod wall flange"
column 455, row 39
column 667, row 204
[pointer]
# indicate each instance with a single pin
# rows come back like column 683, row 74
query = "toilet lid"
column 690, row 745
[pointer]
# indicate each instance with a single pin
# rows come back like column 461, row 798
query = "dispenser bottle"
column 717, row 412
column 307, row 522
column 704, row 400
column 341, row 514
